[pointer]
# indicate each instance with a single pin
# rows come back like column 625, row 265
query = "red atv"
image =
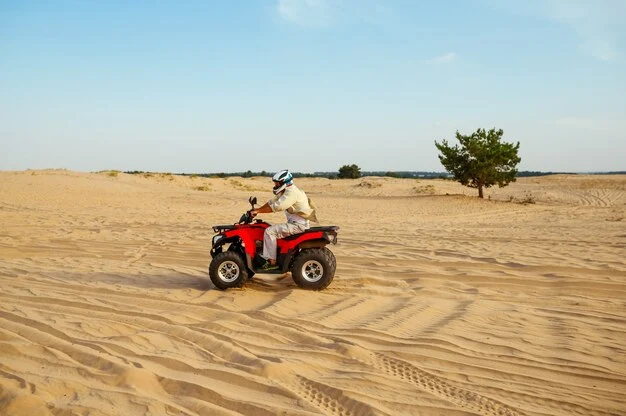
column 236, row 254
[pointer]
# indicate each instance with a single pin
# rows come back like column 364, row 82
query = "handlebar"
column 247, row 218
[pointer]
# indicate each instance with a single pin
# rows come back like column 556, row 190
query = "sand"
column 442, row 303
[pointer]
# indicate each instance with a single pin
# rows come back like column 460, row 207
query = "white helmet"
column 283, row 179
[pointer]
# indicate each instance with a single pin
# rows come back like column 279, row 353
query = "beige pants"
column 276, row 231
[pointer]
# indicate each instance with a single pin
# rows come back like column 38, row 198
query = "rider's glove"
column 245, row 218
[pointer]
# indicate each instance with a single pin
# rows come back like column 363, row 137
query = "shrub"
column 349, row 172
column 424, row 189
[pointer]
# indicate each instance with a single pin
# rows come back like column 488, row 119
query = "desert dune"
column 442, row 303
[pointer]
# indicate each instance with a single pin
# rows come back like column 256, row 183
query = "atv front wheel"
column 227, row 270
column 314, row 268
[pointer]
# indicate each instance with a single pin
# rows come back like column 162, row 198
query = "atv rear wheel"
column 314, row 268
column 227, row 270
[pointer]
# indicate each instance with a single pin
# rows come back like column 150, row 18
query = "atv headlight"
column 217, row 238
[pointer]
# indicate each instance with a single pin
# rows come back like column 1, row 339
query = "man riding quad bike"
column 236, row 254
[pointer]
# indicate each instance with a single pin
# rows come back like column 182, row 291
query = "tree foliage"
column 481, row 160
column 349, row 172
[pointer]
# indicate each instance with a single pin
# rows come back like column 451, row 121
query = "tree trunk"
column 480, row 191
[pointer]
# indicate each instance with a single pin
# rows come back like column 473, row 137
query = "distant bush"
column 203, row 188
column 368, row 184
column 113, row 173
column 349, row 172
column 242, row 186
column 527, row 199
column 424, row 189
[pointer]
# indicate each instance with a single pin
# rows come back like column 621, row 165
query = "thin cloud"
column 597, row 24
column 446, row 58
column 306, row 13
column 600, row 124
column 324, row 13
column 600, row 48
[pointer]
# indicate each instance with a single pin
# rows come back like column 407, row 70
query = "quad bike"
column 236, row 254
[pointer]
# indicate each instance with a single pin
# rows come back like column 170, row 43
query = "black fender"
column 286, row 259
column 322, row 242
column 219, row 247
column 235, row 245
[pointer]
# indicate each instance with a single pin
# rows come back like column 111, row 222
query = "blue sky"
column 308, row 85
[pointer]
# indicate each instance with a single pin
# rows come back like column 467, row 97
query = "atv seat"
column 332, row 228
column 325, row 228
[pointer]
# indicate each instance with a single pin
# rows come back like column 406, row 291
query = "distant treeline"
column 534, row 173
column 330, row 175
column 391, row 174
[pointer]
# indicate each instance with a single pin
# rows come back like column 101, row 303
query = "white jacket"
column 295, row 203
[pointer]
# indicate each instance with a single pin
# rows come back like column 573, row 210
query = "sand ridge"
column 442, row 304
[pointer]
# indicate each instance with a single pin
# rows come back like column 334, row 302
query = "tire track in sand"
column 460, row 394
column 334, row 401
column 430, row 383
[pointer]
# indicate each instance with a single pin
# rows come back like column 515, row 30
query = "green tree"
column 349, row 172
column 482, row 159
